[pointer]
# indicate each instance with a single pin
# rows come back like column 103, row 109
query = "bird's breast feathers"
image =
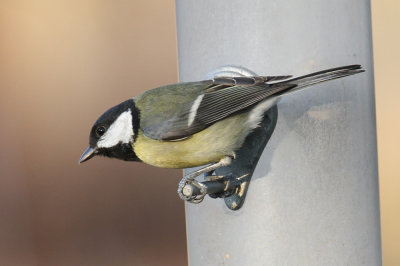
column 209, row 145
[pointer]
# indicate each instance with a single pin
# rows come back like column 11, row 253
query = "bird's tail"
column 321, row 76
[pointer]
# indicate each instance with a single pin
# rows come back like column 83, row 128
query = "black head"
column 113, row 134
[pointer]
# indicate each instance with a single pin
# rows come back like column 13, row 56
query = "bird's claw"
column 193, row 191
column 185, row 193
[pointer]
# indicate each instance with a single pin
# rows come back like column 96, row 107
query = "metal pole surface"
column 313, row 198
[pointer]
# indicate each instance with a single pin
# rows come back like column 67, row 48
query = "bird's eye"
column 100, row 131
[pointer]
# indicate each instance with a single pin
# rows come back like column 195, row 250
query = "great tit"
column 195, row 123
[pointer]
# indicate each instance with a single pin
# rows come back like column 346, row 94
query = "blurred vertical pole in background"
column 313, row 199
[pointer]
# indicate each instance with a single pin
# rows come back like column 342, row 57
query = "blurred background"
column 62, row 63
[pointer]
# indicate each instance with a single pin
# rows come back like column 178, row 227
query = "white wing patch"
column 193, row 109
column 120, row 131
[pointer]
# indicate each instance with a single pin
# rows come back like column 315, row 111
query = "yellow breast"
column 207, row 146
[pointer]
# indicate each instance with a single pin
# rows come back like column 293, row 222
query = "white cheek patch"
column 120, row 131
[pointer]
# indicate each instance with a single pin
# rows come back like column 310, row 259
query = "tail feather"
column 321, row 76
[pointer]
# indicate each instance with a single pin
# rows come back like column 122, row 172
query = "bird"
column 194, row 124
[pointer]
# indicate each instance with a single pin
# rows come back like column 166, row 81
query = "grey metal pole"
column 313, row 199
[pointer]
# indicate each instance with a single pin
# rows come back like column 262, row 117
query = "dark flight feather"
column 225, row 96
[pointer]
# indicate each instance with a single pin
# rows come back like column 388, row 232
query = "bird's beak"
column 89, row 153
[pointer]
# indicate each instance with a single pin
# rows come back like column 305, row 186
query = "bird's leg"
column 190, row 180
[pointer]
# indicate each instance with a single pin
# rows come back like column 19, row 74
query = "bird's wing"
column 201, row 104
column 204, row 103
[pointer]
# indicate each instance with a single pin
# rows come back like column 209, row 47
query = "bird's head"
column 114, row 133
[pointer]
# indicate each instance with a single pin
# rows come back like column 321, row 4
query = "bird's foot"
column 194, row 191
column 191, row 190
